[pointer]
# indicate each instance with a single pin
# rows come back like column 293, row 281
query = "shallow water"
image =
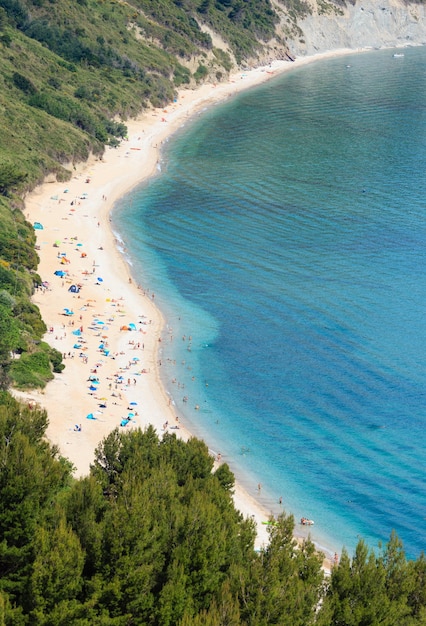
column 286, row 237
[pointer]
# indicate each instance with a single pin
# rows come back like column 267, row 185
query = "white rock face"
column 365, row 24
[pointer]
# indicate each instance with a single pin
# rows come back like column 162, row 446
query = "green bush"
column 31, row 370
column 11, row 176
column 182, row 76
column 201, row 73
column 23, row 83
column 55, row 358
column 29, row 317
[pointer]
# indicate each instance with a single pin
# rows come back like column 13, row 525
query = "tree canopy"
column 151, row 536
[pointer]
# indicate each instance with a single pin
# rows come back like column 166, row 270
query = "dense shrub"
column 201, row 73
column 23, row 83
column 31, row 370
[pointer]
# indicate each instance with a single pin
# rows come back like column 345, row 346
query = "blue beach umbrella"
column 133, row 404
column 92, row 388
column 101, row 280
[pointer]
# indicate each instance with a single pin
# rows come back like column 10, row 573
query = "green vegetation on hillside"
column 151, row 537
column 21, row 326
column 87, row 62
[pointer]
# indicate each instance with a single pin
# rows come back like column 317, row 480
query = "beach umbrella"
column 76, row 332
column 92, row 387
column 129, row 415
column 76, row 346
column 135, row 358
column 90, row 416
column 133, row 404
column 79, row 244
column 38, row 226
column 132, row 326
column 101, row 280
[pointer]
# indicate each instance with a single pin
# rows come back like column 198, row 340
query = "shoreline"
column 76, row 224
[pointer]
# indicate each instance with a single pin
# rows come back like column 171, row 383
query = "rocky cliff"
column 364, row 24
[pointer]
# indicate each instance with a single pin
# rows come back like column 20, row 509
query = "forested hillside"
column 152, row 537
column 68, row 68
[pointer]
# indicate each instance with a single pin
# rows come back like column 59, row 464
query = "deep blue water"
column 286, row 236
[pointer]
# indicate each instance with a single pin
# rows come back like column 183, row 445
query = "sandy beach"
column 109, row 328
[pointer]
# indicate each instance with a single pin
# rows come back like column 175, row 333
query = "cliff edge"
column 364, row 24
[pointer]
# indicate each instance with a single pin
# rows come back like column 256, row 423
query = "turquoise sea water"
column 285, row 243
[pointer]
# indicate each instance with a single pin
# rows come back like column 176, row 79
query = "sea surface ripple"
column 286, row 236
